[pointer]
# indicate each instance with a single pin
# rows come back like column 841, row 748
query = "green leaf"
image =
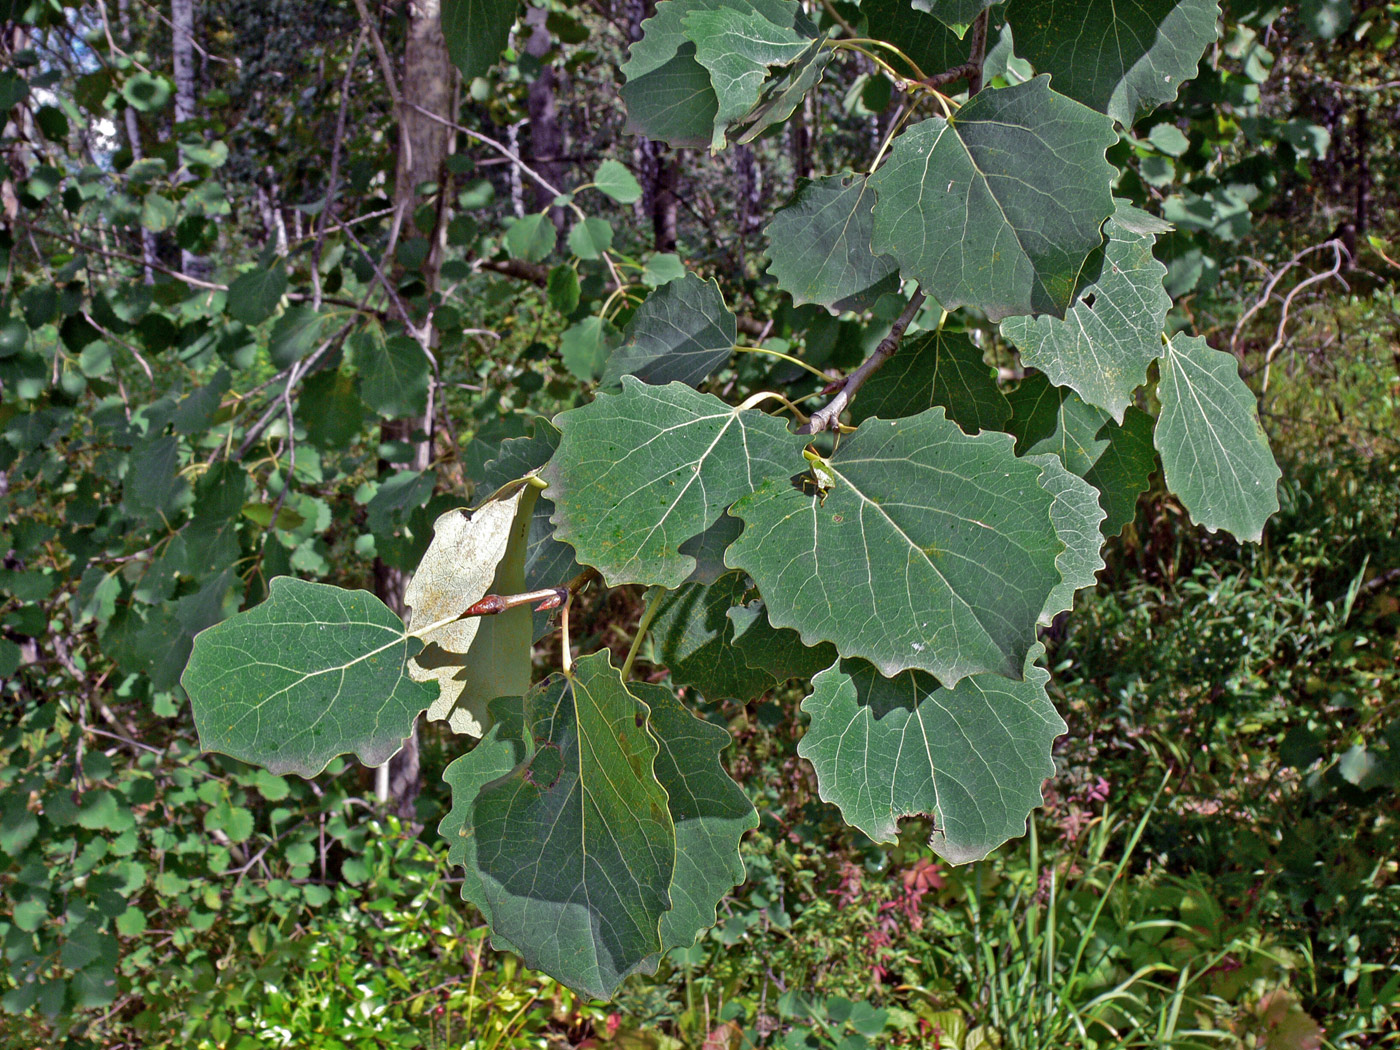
column 663, row 269
column 500, row 751
column 778, row 652
column 1214, row 450
column 930, row 549
column 957, row 15
column 1326, row 19
column 477, row 31
column 1116, row 460
column 563, row 289
column 590, row 238
column 708, row 810
column 1076, row 515
column 157, row 213
column 153, row 488
column 311, row 673
column 393, row 371
column 737, row 45
column 639, row 473
column 1113, row 332
column 694, row 639
column 681, row 333
column 294, row 336
column 819, row 243
column 999, row 207
column 574, row 847
column 783, row 93
column 147, row 92
column 615, row 180
column 479, row 658
column 1121, row 59
column 253, row 296
column 586, row 347
column 196, row 412
column 972, row 757
column 936, row 368
column 331, row 409
column 531, row 238
column 668, row 94
column 708, row 549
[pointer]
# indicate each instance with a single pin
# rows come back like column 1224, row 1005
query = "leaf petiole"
column 772, row 395
column 785, row 357
column 653, row 605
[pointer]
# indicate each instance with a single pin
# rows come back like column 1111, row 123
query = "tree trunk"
column 1363, row 176
column 182, row 53
column 546, row 133
column 800, row 141
column 426, row 87
column 138, row 154
column 657, row 165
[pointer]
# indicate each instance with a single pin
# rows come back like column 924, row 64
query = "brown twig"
column 971, row 70
column 109, row 254
column 548, row 598
column 334, row 176
column 827, row 417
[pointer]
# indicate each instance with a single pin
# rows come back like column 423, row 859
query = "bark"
column 658, row 166
column 424, row 144
column 182, row 51
column 547, row 149
column 1363, row 176
column 664, row 200
column 800, row 141
column 133, row 141
column 749, row 181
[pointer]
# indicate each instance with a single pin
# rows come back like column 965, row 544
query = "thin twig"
column 118, row 339
column 836, row 17
column 1266, row 296
column 334, row 176
column 290, row 475
column 1339, row 257
column 827, row 417
column 385, row 65
column 421, row 335
column 255, row 431
column 514, row 158
column 108, row 254
column 971, row 70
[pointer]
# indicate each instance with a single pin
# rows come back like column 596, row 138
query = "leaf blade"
column 973, row 757
column 913, row 500
column 1214, row 451
column 290, row 665
column 1007, row 199
column 639, row 473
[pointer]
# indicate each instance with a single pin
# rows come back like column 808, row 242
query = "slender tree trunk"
column 1363, row 177
column 182, row 50
column 427, row 87
column 546, row 133
column 658, row 166
column 800, row 141
column 750, row 193
column 133, row 141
